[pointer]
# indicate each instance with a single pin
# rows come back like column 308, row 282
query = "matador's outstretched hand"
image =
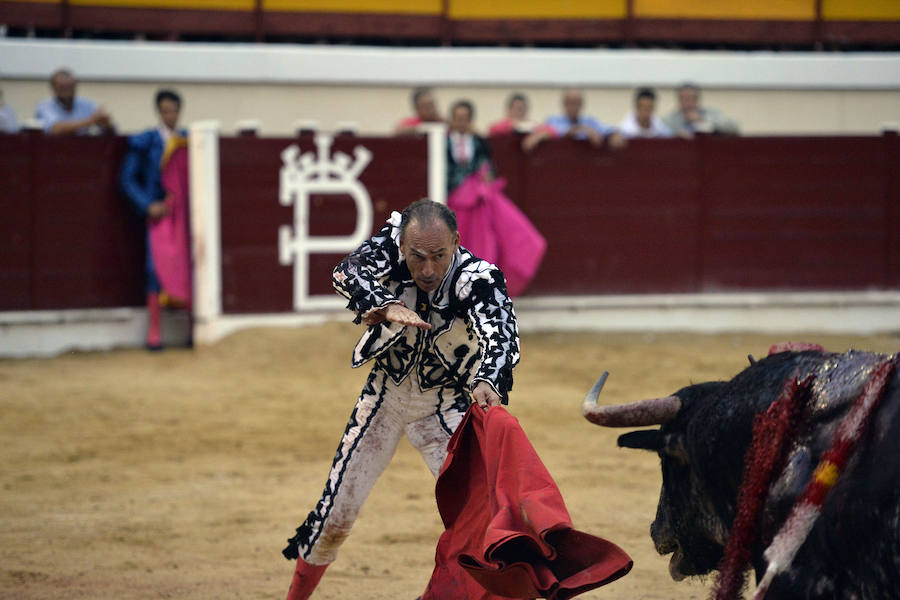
column 396, row 313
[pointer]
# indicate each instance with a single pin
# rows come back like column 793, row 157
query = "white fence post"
column 437, row 160
column 206, row 245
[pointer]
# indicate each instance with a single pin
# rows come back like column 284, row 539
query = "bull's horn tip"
column 594, row 392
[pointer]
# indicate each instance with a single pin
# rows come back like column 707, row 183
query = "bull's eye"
column 674, row 447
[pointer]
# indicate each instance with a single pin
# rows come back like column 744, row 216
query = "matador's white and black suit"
column 420, row 381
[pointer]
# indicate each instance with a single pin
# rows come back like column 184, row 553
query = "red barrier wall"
column 67, row 238
column 713, row 214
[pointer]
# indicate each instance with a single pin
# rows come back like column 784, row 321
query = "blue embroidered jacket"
column 140, row 176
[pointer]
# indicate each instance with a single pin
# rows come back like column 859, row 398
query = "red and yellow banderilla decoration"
column 793, row 533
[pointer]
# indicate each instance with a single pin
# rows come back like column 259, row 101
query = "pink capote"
column 170, row 236
column 508, row 533
column 494, row 229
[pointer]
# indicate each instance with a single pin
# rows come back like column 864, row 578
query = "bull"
column 852, row 550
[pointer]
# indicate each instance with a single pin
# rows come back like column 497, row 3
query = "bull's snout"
column 664, row 540
column 662, row 537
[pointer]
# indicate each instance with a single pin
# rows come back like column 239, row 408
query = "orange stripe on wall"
column 832, row 10
column 247, row 5
column 726, row 9
column 861, row 10
column 403, row 7
column 537, row 9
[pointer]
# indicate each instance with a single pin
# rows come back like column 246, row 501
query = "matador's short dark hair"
column 645, row 92
column 466, row 104
column 167, row 95
column 427, row 211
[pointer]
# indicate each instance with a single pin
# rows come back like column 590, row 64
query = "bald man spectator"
column 67, row 114
column 691, row 118
column 425, row 107
column 574, row 125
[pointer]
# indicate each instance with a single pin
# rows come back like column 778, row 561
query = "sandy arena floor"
column 181, row 474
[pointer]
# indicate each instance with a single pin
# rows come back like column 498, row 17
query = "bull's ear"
column 646, row 439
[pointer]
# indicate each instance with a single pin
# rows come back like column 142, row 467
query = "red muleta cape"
column 508, row 533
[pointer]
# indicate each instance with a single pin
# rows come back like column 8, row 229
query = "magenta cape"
column 170, row 236
column 494, row 229
column 508, row 533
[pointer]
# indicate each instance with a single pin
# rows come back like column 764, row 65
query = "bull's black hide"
column 853, row 550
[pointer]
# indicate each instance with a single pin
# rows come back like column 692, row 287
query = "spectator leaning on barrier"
column 65, row 113
column 641, row 122
column 425, row 107
column 8, row 121
column 516, row 119
column 572, row 124
column 466, row 151
column 690, row 117
column 156, row 194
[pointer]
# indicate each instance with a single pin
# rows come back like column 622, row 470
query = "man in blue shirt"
column 572, row 124
column 8, row 121
column 66, row 114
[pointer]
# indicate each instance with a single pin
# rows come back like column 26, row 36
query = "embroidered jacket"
column 474, row 335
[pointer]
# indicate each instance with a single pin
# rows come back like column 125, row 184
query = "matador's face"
column 168, row 112
column 428, row 249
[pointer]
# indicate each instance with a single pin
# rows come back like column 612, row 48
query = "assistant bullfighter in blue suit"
column 141, row 181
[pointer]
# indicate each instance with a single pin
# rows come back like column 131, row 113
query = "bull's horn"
column 594, row 392
column 654, row 411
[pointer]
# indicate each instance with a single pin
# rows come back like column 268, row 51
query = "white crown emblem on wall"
column 322, row 174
